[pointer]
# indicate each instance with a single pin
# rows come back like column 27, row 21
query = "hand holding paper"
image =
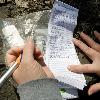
column 93, row 52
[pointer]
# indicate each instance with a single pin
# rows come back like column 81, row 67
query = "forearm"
column 44, row 89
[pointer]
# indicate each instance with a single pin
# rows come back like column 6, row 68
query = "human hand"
column 31, row 67
column 93, row 52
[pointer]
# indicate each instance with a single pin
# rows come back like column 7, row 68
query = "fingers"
column 87, row 50
column 94, row 88
column 90, row 41
column 86, row 68
column 15, row 51
column 13, row 54
column 37, row 53
column 28, row 50
column 97, row 35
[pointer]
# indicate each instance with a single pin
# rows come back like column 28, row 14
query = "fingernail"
column 90, row 93
column 29, row 38
column 95, row 31
column 69, row 68
column 74, row 40
column 81, row 33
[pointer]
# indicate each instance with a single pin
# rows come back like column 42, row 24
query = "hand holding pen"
column 31, row 67
column 10, row 71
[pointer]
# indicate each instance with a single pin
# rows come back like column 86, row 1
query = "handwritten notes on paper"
column 60, row 51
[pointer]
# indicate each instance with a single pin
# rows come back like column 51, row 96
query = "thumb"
column 94, row 88
column 28, row 50
column 86, row 68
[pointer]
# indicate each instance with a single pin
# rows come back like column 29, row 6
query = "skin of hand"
column 93, row 52
column 32, row 66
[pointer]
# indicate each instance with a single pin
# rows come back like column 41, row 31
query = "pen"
column 10, row 71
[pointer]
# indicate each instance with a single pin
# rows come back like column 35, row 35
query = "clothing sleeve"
column 43, row 89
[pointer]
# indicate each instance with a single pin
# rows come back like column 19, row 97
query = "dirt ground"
column 88, row 21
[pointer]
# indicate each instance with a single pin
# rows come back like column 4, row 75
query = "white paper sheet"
column 60, row 51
